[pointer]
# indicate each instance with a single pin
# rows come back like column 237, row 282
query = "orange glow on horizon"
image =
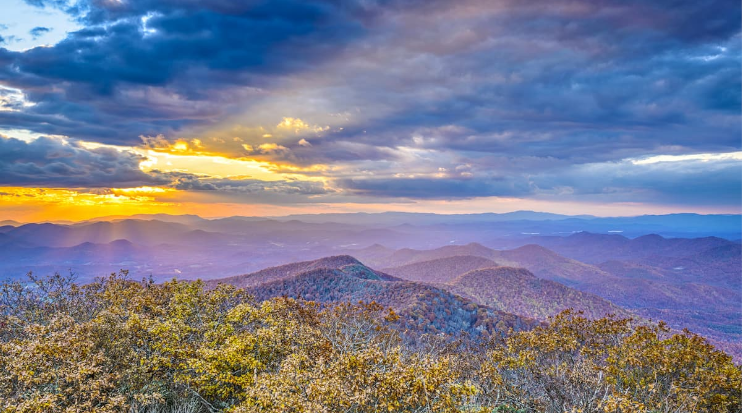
column 41, row 204
column 45, row 204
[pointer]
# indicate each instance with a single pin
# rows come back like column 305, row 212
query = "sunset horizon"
column 271, row 212
column 366, row 107
column 364, row 206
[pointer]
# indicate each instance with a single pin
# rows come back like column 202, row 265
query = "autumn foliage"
column 116, row 345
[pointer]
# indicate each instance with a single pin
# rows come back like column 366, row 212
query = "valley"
column 414, row 264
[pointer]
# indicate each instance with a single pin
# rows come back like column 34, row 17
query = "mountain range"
column 423, row 308
column 445, row 273
column 706, row 298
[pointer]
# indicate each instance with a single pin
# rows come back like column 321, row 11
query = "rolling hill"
column 405, row 256
column 519, row 291
column 596, row 248
column 516, row 290
column 281, row 272
column 699, row 291
column 539, row 260
column 440, row 270
column 422, row 308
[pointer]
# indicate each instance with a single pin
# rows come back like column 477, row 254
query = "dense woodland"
column 116, row 345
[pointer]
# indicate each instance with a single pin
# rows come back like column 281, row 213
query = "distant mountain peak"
column 344, row 264
column 376, row 247
column 650, row 237
column 532, row 247
column 495, row 271
column 121, row 243
column 337, row 261
column 593, row 235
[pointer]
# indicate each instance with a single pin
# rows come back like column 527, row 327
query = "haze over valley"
column 683, row 269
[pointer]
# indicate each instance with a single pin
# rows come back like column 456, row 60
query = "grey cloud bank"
column 540, row 99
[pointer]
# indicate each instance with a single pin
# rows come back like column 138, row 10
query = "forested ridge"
column 118, row 345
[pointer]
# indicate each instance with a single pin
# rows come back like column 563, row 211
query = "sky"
column 223, row 107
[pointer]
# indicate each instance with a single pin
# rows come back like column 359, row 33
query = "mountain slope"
column 422, row 308
column 407, row 256
column 136, row 231
column 596, row 248
column 510, row 289
column 539, row 260
column 720, row 266
column 292, row 270
column 518, row 291
column 441, row 270
column 699, row 291
column 551, row 266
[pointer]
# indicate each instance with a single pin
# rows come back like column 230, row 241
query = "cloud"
column 145, row 68
column 56, row 162
column 431, row 188
column 39, row 31
column 11, row 100
column 392, row 98
column 9, row 39
column 686, row 180
column 60, row 163
column 580, row 81
column 691, row 180
column 305, row 188
column 148, row 68
column 190, row 182
column 247, row 190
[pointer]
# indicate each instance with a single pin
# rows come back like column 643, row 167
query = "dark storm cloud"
column 51, row 162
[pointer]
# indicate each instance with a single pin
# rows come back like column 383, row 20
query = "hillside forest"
column 118, row 345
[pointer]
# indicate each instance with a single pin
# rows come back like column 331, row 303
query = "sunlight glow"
column 704, row 157
column 13, row 100
column 142, row 190
column 211, row 165
column 181, row 146
column 39, row 204
column 297, row 125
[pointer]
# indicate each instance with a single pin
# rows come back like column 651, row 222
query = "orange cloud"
column 238, row 141
column 41, row 204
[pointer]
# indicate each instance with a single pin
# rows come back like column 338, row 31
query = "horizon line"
column 578, row 216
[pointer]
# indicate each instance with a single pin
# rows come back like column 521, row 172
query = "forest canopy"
column 118, row 345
